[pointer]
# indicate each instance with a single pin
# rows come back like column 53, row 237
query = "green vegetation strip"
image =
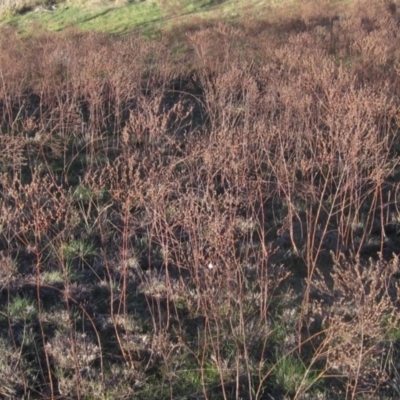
column 147, row 16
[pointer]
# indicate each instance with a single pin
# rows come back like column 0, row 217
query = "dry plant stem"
column 124, row 260
column 216, row 356
column 90, row 319
column 311, row 251
column 38, row 256
column 360, row 356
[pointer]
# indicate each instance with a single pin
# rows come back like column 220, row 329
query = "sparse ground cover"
column 212, row 215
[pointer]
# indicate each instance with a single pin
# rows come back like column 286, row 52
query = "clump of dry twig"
column 225, row 226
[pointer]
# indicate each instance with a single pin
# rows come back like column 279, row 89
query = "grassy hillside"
column 149, row 17
column 213, row 214
column 122, row 16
